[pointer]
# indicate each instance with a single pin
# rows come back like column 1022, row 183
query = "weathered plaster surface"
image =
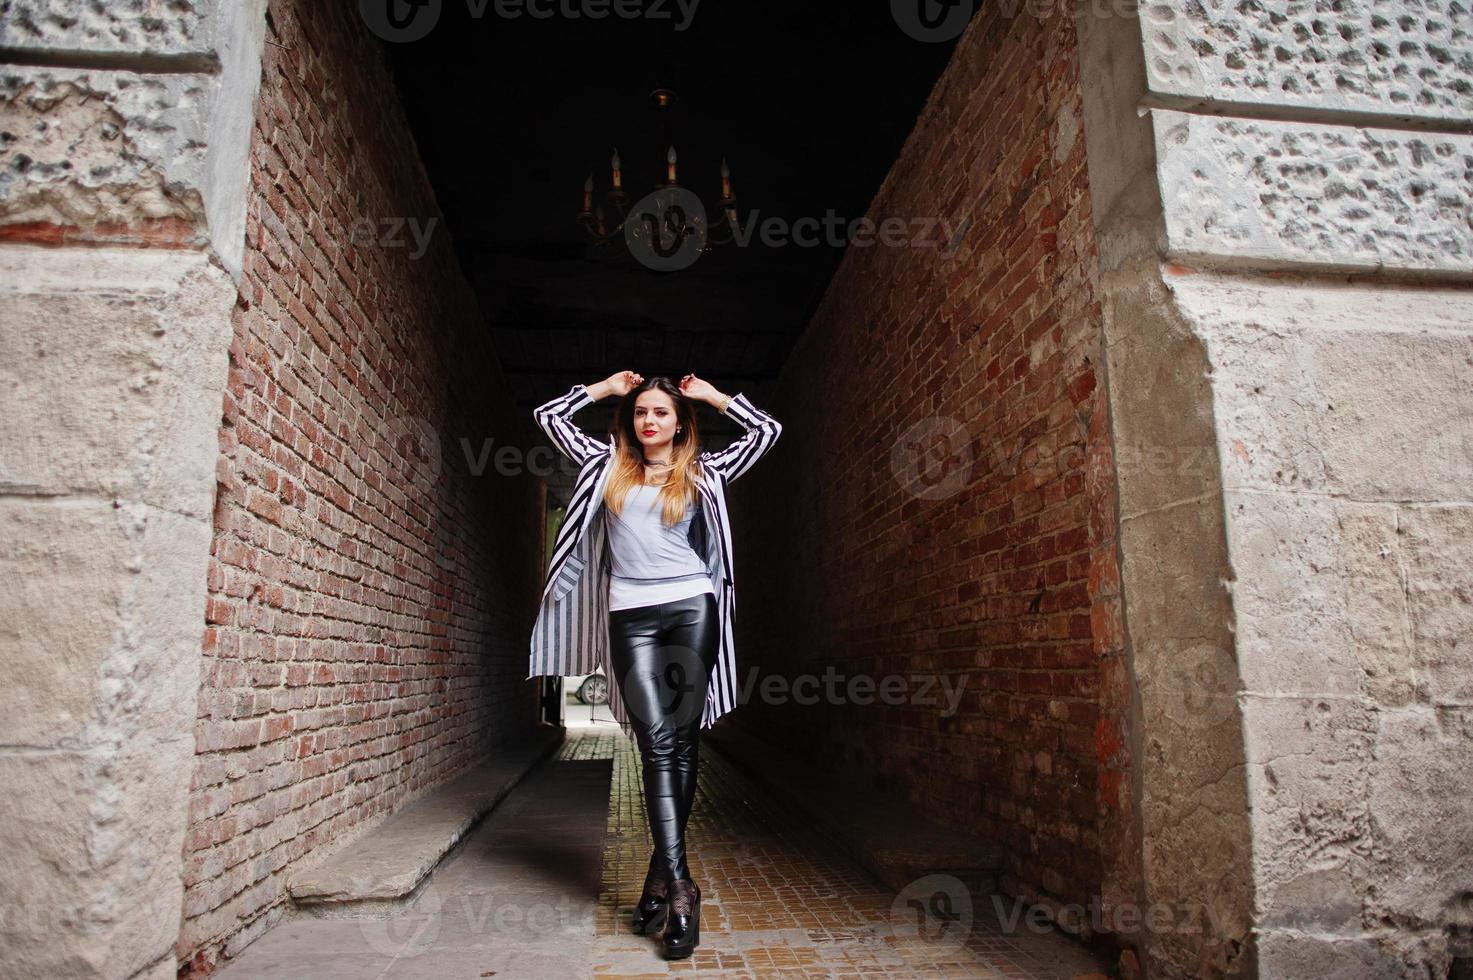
column 126, row 26
column 139, row 149
column 1299, row 193
column 92, row 148
column 1175, row 574
column 1403, row 57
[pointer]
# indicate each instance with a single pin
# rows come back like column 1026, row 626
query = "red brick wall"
column 1011, row 580
column 366, row 629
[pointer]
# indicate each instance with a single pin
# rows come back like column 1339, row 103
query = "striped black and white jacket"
column 572, row 631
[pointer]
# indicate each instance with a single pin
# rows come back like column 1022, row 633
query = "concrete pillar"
column 1281, row 196
column 121, row 226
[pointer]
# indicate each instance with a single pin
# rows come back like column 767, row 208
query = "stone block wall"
column 122, row 193
column 111, row 366
column 1285, row 259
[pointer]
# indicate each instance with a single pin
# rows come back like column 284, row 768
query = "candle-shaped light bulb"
column 600, row 216
column 670, row 159
column 725, row 179
column 618, row 177
column 588, row 194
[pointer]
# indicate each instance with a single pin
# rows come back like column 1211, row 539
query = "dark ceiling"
column 809, row 103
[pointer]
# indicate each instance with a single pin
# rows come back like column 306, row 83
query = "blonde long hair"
column 679, row 491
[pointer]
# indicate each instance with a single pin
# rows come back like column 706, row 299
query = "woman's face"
column 654, row 423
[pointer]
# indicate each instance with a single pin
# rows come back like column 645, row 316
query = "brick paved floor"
column 778, row 900
column 543, row 888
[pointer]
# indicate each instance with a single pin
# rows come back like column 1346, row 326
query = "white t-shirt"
column 651, row 563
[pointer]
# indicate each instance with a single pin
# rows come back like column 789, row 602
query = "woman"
column 649, row 512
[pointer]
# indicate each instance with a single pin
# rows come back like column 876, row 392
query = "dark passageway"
column 511, row 117
column 986, row 591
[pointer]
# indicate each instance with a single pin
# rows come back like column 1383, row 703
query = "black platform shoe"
column 683, row 930
column 653, row 906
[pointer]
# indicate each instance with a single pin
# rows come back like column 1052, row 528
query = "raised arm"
column 761, row 435
column 555, row 418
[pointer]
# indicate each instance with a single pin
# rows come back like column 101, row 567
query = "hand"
column 694, row 387
column 622, row 383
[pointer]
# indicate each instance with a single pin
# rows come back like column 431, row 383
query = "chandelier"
column 667, row 227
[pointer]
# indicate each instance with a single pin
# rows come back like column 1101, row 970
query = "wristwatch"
column 726, row 403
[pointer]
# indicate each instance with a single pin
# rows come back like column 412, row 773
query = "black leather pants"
column 663, row 657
